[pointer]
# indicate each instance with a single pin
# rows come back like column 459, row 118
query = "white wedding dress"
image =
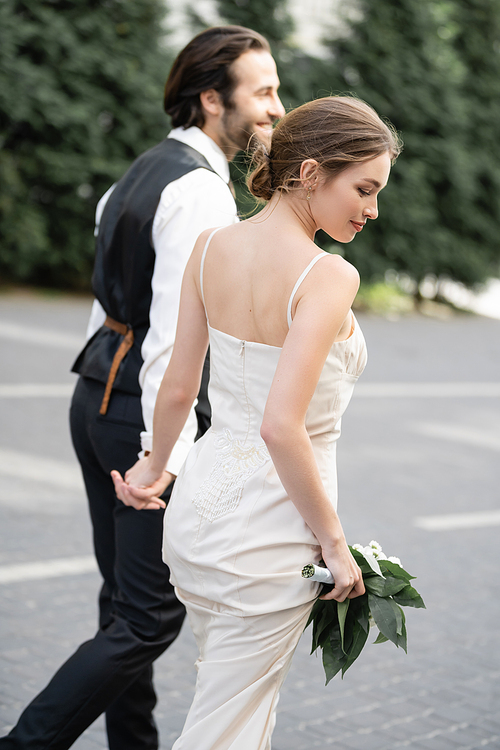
column 236, row 544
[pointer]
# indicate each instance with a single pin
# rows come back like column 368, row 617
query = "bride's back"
column 249, row 272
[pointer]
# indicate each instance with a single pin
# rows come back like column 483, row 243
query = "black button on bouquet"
column 341, row 629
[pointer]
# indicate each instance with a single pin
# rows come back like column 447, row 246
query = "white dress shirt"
column 195, row 202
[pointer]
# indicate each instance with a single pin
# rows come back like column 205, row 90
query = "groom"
column 221, row 90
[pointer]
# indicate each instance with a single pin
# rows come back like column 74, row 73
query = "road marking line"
column 64, row 566
column 41, row 336
column 36, row 390
column 455, row 434
column 427, row 390
column 453, row 521
column 39, row 469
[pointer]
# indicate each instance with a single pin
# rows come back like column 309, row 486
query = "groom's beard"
column 240, row 133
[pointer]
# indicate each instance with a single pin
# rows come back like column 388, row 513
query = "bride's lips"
column 358, row 225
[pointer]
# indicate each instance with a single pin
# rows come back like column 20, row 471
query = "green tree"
column 407, row 59
column 80, row 96
column 474, row 30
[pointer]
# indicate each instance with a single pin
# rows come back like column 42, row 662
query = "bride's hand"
column 142, row 487
column 346, row 573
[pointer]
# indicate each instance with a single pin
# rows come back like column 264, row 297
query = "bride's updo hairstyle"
column 335, row 131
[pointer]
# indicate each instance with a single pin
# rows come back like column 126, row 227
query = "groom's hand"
column 142, row 498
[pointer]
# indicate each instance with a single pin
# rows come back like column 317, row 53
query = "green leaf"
column 402, row 638
column 384, row 586
column 358, row 641
column 342, row 609
column 332, row 664
column 316, row 617
column 335, row 642
column 409, row 597
column 381, row 639
column 361, row 611
column 324, row 617
column 387, row 615
column 400, row 618
column 395, row 570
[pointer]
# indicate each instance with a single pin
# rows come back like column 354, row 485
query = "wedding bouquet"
column 341, row 629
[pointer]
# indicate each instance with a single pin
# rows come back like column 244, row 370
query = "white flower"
column 395, row 560
column 375, row 550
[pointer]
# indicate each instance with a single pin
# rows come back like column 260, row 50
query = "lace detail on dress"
column 235, row 462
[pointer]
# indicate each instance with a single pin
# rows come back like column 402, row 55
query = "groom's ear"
column 211, row 102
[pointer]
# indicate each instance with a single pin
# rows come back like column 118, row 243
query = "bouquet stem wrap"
column 317, row 573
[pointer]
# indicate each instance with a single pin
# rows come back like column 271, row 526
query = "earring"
column 308, row 196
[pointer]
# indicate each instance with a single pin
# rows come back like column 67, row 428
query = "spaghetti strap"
column 202, row 265
column 299, row 282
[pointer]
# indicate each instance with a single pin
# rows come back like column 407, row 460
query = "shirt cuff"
column 180, row 449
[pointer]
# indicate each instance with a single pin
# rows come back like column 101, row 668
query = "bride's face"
column 342, row 205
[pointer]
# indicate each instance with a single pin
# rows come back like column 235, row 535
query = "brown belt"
column 120, row 353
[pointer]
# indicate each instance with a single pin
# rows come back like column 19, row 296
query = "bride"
column 256, row 498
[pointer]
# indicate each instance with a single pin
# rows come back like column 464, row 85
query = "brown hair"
column 205, row 63
column 336, row 131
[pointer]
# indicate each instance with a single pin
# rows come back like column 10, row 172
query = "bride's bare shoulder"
column 203, row 237
column 333, row 270
column 340, row 268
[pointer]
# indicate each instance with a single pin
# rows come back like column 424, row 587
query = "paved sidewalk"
column 428, row 448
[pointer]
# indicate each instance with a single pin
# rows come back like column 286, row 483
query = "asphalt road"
column 418, row 471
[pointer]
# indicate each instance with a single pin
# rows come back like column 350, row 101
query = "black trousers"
column 139, row 615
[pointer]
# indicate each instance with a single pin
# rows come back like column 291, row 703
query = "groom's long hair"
column 205, row 63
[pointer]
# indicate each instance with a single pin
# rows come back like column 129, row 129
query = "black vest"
column 125, row 259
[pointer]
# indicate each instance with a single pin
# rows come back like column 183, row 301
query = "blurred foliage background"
column 81, row 95
column 81, row 86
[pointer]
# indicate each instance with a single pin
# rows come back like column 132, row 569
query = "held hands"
column 346, row 573
column 142, row 487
